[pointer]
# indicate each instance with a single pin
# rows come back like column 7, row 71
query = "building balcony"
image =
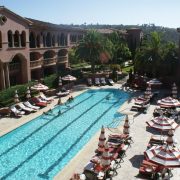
column 49, row 61
column 62, row 59
column 36, row 64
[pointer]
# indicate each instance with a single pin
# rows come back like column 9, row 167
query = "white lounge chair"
column 26, row 109
column 89, row 81
column 43, row 97
column 67, row 92
column 16, row 112
column 103, row 81
column 111, row 82
column 28, row 104
column 97, row 82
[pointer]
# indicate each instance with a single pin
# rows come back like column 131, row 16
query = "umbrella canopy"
column 154, row 82
column 39, row 87
column 174, row 91
column 101, row 140
column 69, row 78
column 168, row 102
column 28, row 93
column 106, row 158
column 60, row 81
column 126, row 126
column 16, row 97
column 148, row 93
column 162, row 123
column 166, row 155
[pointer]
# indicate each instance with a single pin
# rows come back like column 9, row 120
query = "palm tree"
column 91, row 47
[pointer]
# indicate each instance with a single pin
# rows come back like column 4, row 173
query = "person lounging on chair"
column 38, row 102
column 16, row 112
column 29, row 105
column 5, row 111
column 24, row 108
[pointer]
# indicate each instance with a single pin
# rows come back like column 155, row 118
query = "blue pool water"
column 42, row 147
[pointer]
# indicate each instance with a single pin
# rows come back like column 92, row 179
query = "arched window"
column 23, row 39
column 48, row 40
column 16, row 39
column 10, row 38
column 62, row 42
column 0, row 40
column 38, row 40
column 32, row 40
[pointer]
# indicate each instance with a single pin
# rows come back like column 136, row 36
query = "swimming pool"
column 42, row 147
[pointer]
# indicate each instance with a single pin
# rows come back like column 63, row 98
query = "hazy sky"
column 129, row 12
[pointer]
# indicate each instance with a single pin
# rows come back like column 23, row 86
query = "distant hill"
column 169, row 34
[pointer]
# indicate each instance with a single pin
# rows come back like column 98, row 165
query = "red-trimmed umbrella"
column 126, row 126
column 148, row 93
column 16, row 97
column 60, row 81
column 166, row 155
column 28, row 93
column 69, row 78
column 162, row 123
column 39, row 87
column 154, row 82
column 106, row 158
column 102, row 140
column 174, row 91
column 168, row 102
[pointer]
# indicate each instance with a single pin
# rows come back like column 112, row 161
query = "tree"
column 92, row 46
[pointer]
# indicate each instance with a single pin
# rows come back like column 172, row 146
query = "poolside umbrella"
column 148, row 93
column 162, row 123
column 16, row 97
column 39, row 87
column 106, row 158
column 101, row 140
column 166, row 155
column 168, row 102
column 28, row 93
column 154, row 82
column 174, row 91
column 126, row 126
column 69, row 78
column 60, row 81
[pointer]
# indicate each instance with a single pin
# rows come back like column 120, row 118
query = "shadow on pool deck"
column 136, row 160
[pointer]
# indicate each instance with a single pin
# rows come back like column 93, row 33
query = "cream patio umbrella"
column 69, row 78
column 168, row 102
column 28, row 93
column 106, row 158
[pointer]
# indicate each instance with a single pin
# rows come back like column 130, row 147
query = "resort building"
column 31, row 49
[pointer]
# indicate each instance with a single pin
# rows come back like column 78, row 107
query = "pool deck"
column 130, row 166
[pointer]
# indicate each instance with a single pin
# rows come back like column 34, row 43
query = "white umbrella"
column 69, row 78
column 16, row 97
column 39, row 87
column 162, row 123
column 154, row 82
column 60, row 81
column 101, row 140
column 28, row 93
column 148, row 93
column 168, row 102
column 174, row 91
column 106, row 158
column 126, row 126
column 166, row 155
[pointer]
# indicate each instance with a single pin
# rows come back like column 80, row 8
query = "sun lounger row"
column 99, row 81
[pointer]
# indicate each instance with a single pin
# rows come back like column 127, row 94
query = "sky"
column 127, row 12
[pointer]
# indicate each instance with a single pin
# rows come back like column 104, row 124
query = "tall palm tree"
column 91, row 47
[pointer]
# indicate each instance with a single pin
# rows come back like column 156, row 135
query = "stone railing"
column 49, row 61
column 36, row 64
column 62, row 59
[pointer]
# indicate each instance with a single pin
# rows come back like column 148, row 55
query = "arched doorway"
column 18, row 70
